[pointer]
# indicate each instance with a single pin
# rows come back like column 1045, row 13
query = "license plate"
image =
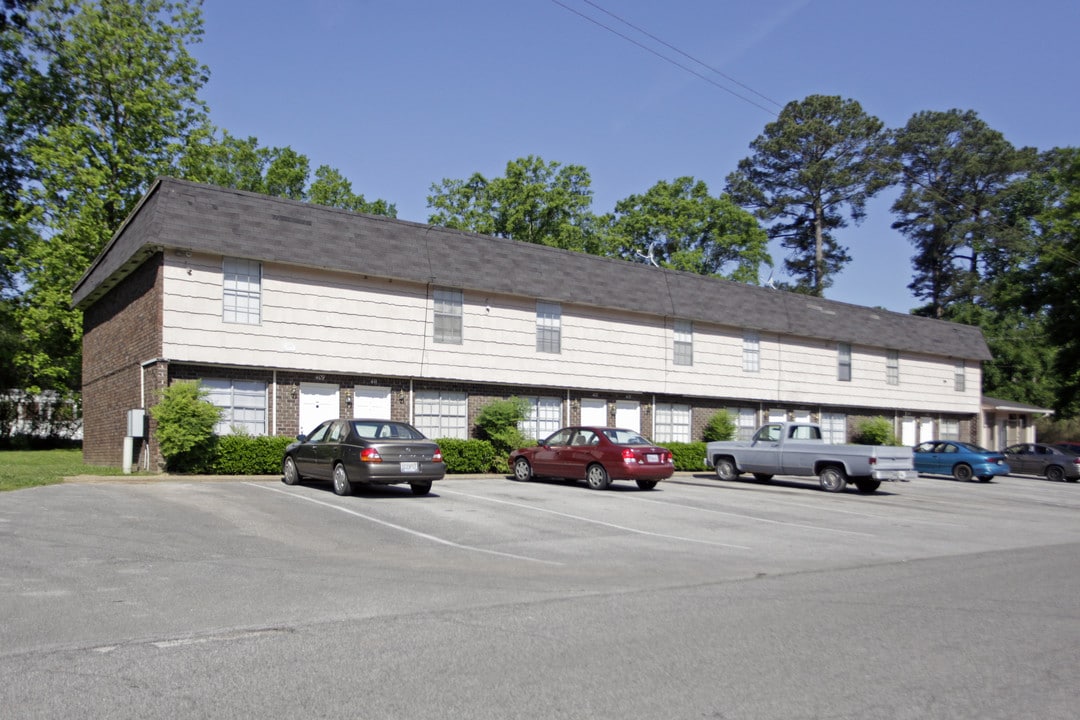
column 410, row 467
column 652, row 457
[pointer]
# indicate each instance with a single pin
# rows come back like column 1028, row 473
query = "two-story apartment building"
column 290, row 313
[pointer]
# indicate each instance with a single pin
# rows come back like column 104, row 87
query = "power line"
column 665, row 58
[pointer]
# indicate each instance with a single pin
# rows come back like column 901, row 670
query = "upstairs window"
column 843, row 364
column 892, row 367
column 751, row 351
column 448, row 314
column 684, row 343
column 241, row 299
column 548, row 327
column 959, row 379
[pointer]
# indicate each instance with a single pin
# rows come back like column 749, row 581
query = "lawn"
column 30, row 468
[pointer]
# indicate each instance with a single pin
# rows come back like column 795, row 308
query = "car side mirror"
column 302, row 437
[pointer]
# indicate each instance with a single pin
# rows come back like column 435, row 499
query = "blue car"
column 962, row 460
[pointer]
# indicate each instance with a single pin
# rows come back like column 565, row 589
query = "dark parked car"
column 962, row 460
column 1056, row 463
column 376, row 452
column 597, row 455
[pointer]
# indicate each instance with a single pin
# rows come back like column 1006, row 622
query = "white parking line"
column 417, row 533
column 748, row 517
column 444, row 491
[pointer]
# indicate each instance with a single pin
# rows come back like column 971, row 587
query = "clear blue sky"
column 401, row 94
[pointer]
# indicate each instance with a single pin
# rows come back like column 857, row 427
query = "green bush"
column 498, row 423
column 875, row 431
column 688, row 456
column 248, row 455
column 721, row 426
column 467, row 456
column 185, row 427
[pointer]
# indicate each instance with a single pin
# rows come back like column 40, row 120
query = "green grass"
column 32, row 468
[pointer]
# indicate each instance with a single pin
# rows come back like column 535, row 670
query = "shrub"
column 498, row 424
column 242, row 454
column 467, row 456
column 721, row 426
column 688, row 456
column 875, row 431
column 185, row 426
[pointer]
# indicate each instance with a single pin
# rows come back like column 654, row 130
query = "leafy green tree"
column 121, row 102
column 498, row 423
column 721, row 426
column 1057, row 271
column 954, row 206
column 680, row 226
column 185, row 426
column 875, row 431
column 536, row 201
column 330, row 188
column 821, row 156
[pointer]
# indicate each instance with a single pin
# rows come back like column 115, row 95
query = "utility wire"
column 665, row 58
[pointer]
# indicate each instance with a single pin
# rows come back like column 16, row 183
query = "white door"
column 802, row 416
column 628, row 414
column 907, row 432
column 371, row 401
column 594, row 412
column 318, row 402
column 777, row 415
column 926, row 430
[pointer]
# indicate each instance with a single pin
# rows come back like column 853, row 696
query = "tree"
column 821, row 156
column 536, row 202
column 123, row 100
column 185, row 426
column 680, row 226
column 956, row 176
column 241, row 164
column 1057, row 271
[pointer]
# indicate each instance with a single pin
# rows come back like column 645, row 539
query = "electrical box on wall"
column 136, row 422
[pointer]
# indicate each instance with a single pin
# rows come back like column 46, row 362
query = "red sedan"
column 596, row 455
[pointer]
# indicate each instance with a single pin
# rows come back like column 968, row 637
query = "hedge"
column 248, row 455
column 689, row 457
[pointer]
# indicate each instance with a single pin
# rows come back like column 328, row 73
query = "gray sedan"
column 376, row 452
column 1054, row 462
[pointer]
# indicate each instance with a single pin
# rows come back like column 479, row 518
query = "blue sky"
column 399, row 95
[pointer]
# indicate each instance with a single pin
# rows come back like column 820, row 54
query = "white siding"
column 329, row 322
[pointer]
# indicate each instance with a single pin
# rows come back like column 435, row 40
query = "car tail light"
column 438, row 456
column 873, row 460
column 370, row 455
column 628, row 456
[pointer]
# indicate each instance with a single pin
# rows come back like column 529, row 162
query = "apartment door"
column 594, row 412
column 371, row 401
column 628, row 414
column 318, row 402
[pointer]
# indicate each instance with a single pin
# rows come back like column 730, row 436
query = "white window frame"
column 683, row 348
column 242, row 402
column 892, row 367
column 746, row 422
column 241, row 291
column 843, row 362
column 548, row 327
column 544, row 417
column 949, row 429
column 960, row 376
column 834, row 428
column 751, row 351
column 441, row 414
column 672, row 422
column 448, row 313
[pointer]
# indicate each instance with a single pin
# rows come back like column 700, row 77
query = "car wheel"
column 832, row 479
column 420, row 488
column 962, row 472
column 726, row 470
column 646, row 484
column 522, row 470
column 986, row 478
column 867, row 486
column 1055, row 473
column 342, row 486
column 597, row 477
column 291, row 474
column 762, row 477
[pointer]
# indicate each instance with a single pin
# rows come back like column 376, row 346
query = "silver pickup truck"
column 786, row 448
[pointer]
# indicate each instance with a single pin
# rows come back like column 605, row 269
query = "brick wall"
column 120, row 332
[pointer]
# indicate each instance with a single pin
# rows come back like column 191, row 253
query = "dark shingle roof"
column 176, row 214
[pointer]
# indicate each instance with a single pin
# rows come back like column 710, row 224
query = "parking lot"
column 495, row 599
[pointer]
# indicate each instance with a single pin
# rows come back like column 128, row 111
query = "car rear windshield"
column 626, row 437
column 386, row 430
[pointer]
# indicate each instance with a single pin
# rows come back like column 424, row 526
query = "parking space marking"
column 409, row 531
column 749, row 517
column 444, row 491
